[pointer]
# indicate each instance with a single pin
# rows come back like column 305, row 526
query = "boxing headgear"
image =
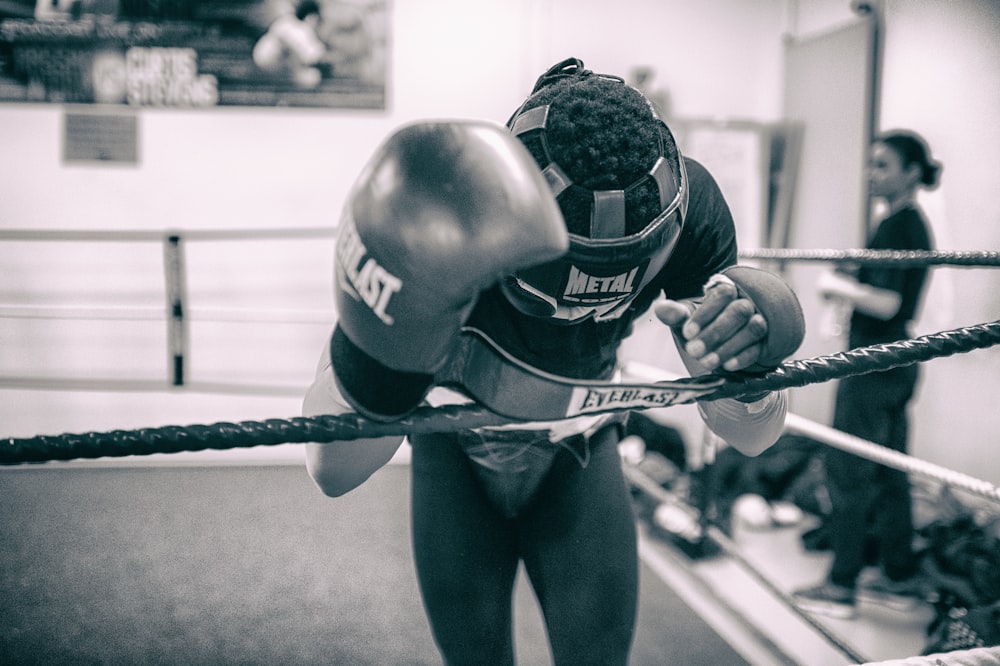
column 608, row 262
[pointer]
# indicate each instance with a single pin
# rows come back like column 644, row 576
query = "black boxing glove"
column 441, row 212
column 778, row 304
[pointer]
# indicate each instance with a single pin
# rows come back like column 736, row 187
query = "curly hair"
column 604, row 135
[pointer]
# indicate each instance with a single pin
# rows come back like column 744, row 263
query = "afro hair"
column 604, row 135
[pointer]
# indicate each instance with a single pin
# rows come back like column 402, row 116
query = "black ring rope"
column 328, row 428
column 863, row 360
column 896, row 258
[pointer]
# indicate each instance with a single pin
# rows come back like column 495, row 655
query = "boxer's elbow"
column 339, row 467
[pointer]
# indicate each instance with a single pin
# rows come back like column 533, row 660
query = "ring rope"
column 908, row 257
column 863, row 360
column 661, row 495
column 157, row 313
column 899, row 258
column 153, row 235
column 891, row 458
column 448, row 418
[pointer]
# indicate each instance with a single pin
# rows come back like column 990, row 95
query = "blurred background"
column 778, row 97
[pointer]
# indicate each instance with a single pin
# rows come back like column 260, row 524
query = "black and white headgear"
column 608, row 263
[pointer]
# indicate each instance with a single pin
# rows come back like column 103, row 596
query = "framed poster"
column 194, row 54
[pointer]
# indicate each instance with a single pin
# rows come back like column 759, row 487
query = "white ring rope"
column 915, row 257
column 153, row 235
column 158, row 313
column 890, row 458
column 856, row 445
column 661, row 495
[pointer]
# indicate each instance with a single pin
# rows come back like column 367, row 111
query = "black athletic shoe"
column 827, row 599
column 901, row 595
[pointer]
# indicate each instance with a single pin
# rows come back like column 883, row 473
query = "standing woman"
column 884, row 300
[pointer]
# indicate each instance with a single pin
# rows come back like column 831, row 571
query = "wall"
column 829, row 95
column 952, row 94
column 262, row 168
column 266, row 168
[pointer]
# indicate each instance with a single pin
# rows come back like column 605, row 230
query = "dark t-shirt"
column 903, row 230
column 587, row 350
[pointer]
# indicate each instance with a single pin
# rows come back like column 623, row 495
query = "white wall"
column 251, row 168
column 246, row 168
column 942, row 77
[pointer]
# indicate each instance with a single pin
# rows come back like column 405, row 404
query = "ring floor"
column 113, row 558
column 129, row 563
column 755, row 615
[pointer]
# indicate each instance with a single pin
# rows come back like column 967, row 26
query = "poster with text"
column 195, row 54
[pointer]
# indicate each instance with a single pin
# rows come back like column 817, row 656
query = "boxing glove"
column 779, row 305
column 441, row 212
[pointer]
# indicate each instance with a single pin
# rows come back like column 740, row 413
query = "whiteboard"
column 829, row 93
column 737, row 155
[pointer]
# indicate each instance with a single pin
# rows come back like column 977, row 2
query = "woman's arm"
column 879, row 303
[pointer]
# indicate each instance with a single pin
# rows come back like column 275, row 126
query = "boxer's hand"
column 748, row 320
column 720, row 331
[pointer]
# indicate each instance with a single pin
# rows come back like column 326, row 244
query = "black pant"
column 575, row 535
column 868, row 497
